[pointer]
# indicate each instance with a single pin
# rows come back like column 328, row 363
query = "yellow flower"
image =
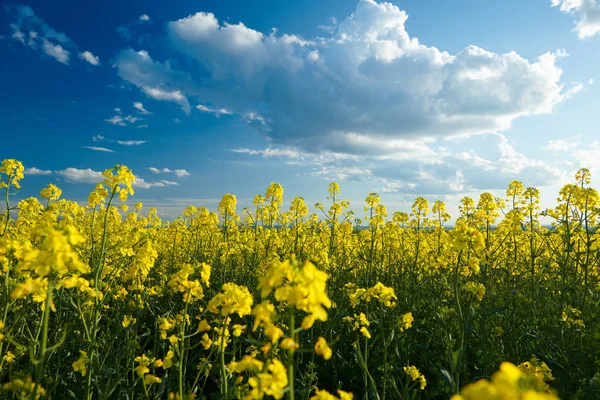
column 323, row 349
column 271, row 383
column 415, row 375
column 168, row 360
column 248, row 363
column 206, row 341
column 151, row 379
column 233, row 299
column 128, row 320
column 325, row 395
column 365, row 332
column 203, row 326
column 9, row 357
column 406, row 323
column 238, row 329
column 289, row 344
column 81, row 364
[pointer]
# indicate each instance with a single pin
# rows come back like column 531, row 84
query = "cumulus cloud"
column 369, row 79
column 217, row 111
column 467, row 170
column 563, row 144
column 144, row 18
column 587, row 13
column 178, row 172
column 484, row 162
column 36, row 171
column 89, row 57
column 157, row 80
column 98, row 138
column 131, row 142
column 76, row 175
column 588, row 157
column 140, row 107
column 102, row 149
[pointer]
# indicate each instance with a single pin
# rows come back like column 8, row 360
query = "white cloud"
column 144, row 18
column 270, row 152
column 119, row 120
column 158, row 80
column 98, row 138
column 217, row 111
column 588, row 157
column 89, row 57
column 36, row 171
column 332, row 173
column 466, row 170
column 116, row 120
column 330, row 26
column 587, row 13
column 370, row 79
column 75, row 175
column 563, row 144
column 181, row 172
column 178, row 172
column 142, row 184
column 140, row 107
column 131, row 142
column 118, row 110
column 103, row 149
column 142, row 126
column 34, row 33
column 57, row 51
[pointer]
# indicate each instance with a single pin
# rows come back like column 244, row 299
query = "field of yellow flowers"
column 106, row 301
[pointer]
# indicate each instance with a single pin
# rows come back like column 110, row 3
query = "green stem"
column 224, row 387
column 41, row 362
column 290, row 359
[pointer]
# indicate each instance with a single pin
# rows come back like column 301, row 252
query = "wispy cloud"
column 178, row 172
column 131, row 142
column 37, row 35
column 563, row 144
column 61, row 54
column 90, row 58
column 103, row 149
column 217, row 111
column 116, row 120
column 141, row 183
column 140, row 107
column 37, row 171
column 119, row 120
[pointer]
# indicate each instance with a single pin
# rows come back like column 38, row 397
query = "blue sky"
column 407, row 98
